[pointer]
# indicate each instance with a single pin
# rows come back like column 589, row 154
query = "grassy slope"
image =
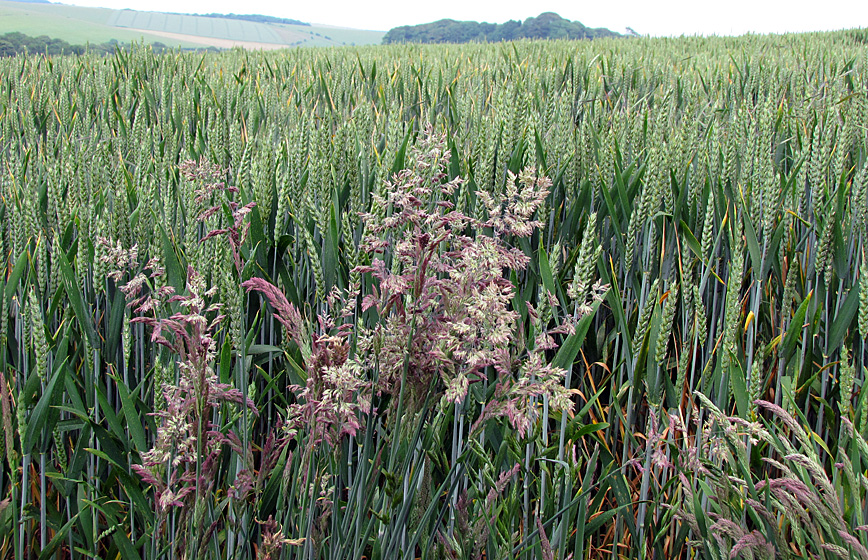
column 343, row 35
column 321, row 36
column 70, row 23
column 79, row 25
column 192, row 25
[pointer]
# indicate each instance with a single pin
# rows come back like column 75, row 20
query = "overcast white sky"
column 648, row 17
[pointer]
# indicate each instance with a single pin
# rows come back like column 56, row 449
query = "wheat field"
column 600, row 299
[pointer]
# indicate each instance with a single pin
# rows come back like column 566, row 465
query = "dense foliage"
column 530, row 300
column 15, row 43
column 547, row 25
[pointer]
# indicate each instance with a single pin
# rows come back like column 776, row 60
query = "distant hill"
column 547, row 25
column 79, row 25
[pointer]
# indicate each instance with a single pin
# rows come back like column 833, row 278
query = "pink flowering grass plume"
column 202, row 171
column 512, row 212
column 855, row 546
column 273, row 540
column 185, row 460
column 336, row 390
column 545, row 544
column 125, row 263
column 789, row 421
column 212, row 198
column 236, row 232
column 818, row 475
column 444, row 299
column 436, row 312
column 792, row 487
column 790, row 492
column 286, row 313
column 755, row 543
column 116, row 257
column 514, row 397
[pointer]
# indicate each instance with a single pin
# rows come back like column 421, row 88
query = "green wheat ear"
column 863, row 299
column 847, row 375
column 667, row 320
column 37, row 329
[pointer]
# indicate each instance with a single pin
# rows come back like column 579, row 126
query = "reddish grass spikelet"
column 273, row 540
column 723, row 527
column 854, row 544
column 201, row 170
column 819, row 476
column 754, row 542
column 236, row 232
column 287, row 314
column 787, row 419
column 760, row 509
column 791, row 489
column 545, row 545
column 475, row 526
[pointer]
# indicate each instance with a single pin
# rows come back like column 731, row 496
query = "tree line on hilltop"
column 546, row 26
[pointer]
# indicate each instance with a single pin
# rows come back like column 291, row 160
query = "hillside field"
column 79, row 25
